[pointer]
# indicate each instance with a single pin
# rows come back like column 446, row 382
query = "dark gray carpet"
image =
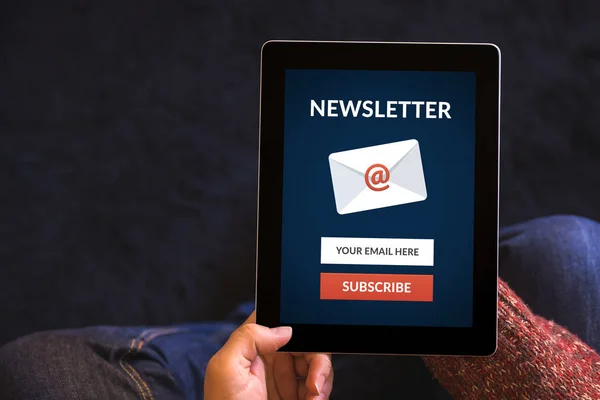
column 128, row 139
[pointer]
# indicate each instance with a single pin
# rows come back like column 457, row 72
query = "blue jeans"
column 552, row 263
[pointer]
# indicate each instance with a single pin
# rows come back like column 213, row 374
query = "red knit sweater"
column 536, row 359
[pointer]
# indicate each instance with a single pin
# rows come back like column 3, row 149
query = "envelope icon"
column 377, row 176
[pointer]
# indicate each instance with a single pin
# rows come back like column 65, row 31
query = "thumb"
column 251, row 340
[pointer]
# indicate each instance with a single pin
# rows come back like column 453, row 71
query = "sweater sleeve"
column 536, row 359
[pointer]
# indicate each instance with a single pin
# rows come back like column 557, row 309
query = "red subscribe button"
column 383, row 287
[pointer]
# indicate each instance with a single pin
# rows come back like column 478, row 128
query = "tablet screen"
column 378, row 198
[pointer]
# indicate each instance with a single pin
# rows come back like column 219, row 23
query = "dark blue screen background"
column 447, row 149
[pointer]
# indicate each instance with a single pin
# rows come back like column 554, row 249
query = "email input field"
column 377, row 251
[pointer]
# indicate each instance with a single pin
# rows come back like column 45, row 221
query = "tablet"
column 378, row 196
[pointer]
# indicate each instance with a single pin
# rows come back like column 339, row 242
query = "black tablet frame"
column 484, row 60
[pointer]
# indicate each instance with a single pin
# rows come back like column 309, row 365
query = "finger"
column 269, row 360
column 250, row 340
column 328, row 386
column 301, row 366
column 314, row 397
column 319, row 369
column 326, row 391
column 284, row 376
column 251, row 319
column 302, row 392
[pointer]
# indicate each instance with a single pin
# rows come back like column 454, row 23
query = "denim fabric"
column 552, row 263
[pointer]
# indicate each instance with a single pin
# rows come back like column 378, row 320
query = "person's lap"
column 552, row 263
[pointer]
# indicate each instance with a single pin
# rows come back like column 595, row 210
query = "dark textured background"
column 128, row 139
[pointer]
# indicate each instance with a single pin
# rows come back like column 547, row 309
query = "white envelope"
column 404, row 184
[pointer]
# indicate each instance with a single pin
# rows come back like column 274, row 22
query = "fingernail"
column 282, row 331
column 319, row 384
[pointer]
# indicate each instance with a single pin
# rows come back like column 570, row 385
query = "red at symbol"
column 379, row 177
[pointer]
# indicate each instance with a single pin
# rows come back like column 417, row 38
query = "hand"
column 247, row 367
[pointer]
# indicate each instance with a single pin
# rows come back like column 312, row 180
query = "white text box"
column 375, row 251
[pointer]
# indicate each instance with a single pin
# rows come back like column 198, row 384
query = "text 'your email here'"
column 385, row 251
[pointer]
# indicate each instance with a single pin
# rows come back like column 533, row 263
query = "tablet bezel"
column 481, row 58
